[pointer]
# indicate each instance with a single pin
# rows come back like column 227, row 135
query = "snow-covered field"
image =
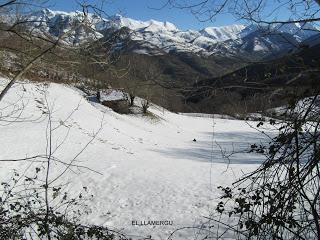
column 149, row 167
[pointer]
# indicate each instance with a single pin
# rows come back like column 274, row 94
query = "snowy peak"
column 150, row 34
column 151, row 25
column 301, row 31
column 155, row 37
column 156, row 26
column 223, row 33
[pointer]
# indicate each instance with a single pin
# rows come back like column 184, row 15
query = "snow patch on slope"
column 151, row 167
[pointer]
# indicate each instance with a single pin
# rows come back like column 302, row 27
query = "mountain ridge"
column 166, row 37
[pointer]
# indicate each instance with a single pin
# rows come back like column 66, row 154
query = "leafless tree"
column 260, row 11
column 34, row 203
column 46, row 50
column 280, row 200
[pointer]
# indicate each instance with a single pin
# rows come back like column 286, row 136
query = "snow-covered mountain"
column 301, row 31
column 258, row 43
column 223, row 33
column 154, row 37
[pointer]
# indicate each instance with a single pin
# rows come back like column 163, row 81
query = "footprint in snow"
column 103, row 140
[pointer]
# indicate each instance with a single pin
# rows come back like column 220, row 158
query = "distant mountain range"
column 198, row 61
column 158, row 38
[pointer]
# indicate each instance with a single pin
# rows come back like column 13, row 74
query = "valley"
column 117, row 128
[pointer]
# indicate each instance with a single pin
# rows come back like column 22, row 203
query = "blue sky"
column 183, row 19
column 143, row 10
